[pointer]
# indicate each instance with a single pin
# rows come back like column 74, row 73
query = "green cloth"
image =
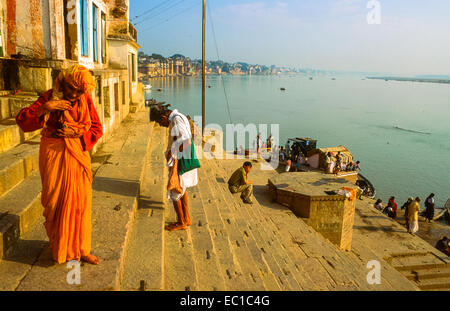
column 238, row 178
column 186, row 165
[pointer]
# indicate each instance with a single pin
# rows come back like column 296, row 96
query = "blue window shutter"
column 95, row 32
column 84, row 28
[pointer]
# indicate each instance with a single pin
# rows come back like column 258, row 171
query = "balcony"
column 132, row 31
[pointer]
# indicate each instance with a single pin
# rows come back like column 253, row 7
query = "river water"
column 358, row 113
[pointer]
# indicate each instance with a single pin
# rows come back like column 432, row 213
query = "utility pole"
column 203, row 68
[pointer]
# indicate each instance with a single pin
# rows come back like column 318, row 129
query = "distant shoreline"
column 442, row 81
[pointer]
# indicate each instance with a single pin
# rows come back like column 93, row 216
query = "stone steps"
column 280, row 258
column 418, row 261
column 144, row 262
column 426, row 274
column 441, row 283
column 211, row 275
column 12, row 104
column 253, row 270
column 11, row 135
column 180, row 272
column 314, row 257
column 19, row 210
column 18, row 163
column 266, row 244
column 116, row 188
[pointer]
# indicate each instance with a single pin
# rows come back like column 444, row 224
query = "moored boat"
column 367, row 187
column 447, row 211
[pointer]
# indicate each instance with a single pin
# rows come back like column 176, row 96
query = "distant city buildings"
column 155, row 65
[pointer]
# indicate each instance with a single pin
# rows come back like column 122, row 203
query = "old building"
column 39, row 38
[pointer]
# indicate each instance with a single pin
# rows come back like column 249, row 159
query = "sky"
column 411, row 38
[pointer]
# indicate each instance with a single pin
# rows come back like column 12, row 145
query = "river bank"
column 445, row 81
column 430, row 232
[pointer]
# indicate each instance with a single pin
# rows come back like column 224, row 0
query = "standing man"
column 413, row 215
column 181, row 160
column 288, row 149
column 239, row 182
column 258, row 144
column 328, row 162
column 429, row 211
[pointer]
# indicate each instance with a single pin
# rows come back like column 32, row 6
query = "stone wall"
column 330, row 215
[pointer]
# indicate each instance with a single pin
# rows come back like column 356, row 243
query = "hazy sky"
column 412, row 38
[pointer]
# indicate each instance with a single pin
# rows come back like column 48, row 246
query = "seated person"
column 239, row 182
column 443, row 245
column 288, row 165
column 378, row 205
column 298, row 164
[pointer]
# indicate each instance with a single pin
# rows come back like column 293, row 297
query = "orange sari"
column 66, row 176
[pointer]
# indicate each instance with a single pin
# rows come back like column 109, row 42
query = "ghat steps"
column 230, row 245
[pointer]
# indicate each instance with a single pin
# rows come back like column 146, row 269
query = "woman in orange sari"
column 71, row 127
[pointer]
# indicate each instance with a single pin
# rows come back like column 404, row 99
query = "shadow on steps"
column 116, row 186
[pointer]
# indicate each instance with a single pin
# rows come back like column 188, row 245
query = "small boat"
column 148, row 87
column 282, row 89
column 160, row 90
column 366, row 186
column 447, row 211
column 310, row 78
column 439, row 212
column 333, row 78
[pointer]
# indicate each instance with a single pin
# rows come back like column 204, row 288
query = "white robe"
column 180, row 127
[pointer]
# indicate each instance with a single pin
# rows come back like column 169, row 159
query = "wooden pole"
column 203, row 68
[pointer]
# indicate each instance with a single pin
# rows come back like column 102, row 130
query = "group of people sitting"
column 412, row 209
column 292, row 157
column 336, row 164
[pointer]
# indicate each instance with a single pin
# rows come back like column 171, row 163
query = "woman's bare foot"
column 93, row 260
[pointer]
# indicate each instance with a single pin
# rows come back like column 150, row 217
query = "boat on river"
column 366, row 186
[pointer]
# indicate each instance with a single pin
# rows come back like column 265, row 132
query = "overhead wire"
column 152, row 9
column 169, row 18
column 149, row 18
column 218, row 58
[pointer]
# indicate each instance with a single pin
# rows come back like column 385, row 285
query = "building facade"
column 39, row 38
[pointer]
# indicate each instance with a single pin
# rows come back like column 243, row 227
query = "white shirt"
column 180, row 128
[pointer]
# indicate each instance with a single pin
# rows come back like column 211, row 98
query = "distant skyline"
column 412, row 38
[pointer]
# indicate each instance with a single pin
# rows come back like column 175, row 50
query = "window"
column 107, row 107
column 103, row 38
column 84, row 28
column 116, row 96
column 123, row 93
column 1, row 35
column 95, row 32
column 133, row 67
column 98, row 88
